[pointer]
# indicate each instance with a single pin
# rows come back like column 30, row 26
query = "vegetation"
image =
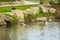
column 14, row 17
column 30, row 17
column 22, row 7
column 44, row 14
column 55, row 2
column 7, row 0
column 33, row 0
column 38, row 15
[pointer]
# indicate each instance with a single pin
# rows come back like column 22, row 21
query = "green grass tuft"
column 22, row 7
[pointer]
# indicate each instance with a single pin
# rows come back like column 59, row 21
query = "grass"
column 15, row 19
column 33, row 0
column 22, row 7
column 7, row 0
column 43, row 15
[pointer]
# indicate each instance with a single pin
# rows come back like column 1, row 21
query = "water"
column 35, row 31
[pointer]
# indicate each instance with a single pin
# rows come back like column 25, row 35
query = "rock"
column 42, row 19
column 48, row 5
column 5, row 18
column 2, row 22
column 19, row 14
column 35, row 10
column 18, row 3
column 51, row 18
column 44, row 9
column 52, row 10
column 27, row 11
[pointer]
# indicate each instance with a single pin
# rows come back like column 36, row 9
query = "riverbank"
column 26, row 13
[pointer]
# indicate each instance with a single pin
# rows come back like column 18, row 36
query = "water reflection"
column 3, row 33
column 35, row 31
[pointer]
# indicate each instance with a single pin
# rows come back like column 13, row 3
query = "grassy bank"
column 22, row 7
column 7, row 0
column 14, row 17
column 30, row 17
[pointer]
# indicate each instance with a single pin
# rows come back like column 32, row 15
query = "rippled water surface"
column 50, row 31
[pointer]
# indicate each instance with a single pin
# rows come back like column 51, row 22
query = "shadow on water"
column 5, row 31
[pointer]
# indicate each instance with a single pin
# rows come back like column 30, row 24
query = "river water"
column 32, row 31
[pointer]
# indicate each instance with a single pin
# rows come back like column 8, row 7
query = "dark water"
column 36, row 31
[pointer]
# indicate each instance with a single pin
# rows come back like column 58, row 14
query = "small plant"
column 30, row 17
column 38, row 15
column 40, row 9
column 15, row 19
